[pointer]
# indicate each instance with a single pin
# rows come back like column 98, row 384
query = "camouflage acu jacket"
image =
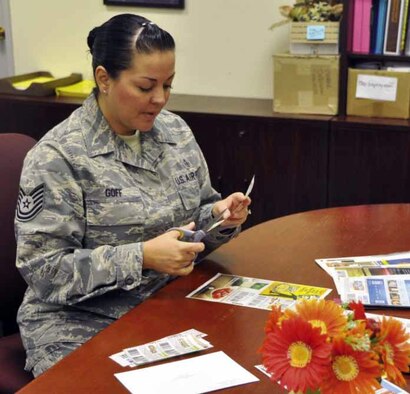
column 86, row 204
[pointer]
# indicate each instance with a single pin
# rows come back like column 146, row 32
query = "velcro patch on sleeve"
column 29, row 205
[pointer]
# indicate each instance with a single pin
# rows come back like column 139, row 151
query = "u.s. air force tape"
column 29, row 205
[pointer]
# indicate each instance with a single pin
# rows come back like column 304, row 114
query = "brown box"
column 400, row 108
column 302, row 44
column 305, row 84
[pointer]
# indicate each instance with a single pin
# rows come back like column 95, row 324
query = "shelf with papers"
column 350, row 59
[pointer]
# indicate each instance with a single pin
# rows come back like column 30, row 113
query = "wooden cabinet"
column 369, row 161
column 33, row 115
column 287, row 156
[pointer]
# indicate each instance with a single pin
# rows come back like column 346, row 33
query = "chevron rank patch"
column 29, row 205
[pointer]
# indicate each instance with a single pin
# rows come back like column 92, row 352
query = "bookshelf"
column 349, row 59
column 371, row 154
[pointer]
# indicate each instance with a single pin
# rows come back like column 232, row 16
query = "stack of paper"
column 381, row 280
column 185, row 342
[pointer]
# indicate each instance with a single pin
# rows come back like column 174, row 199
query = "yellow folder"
column 80, row 89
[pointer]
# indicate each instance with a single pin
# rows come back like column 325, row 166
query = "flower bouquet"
column 323, row 347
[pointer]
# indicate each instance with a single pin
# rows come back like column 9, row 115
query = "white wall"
column 224, row 47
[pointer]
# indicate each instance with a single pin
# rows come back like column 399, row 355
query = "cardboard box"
column 378, row 93
column 305, row 84
column 314, row 38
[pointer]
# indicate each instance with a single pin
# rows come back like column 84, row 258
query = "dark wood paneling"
column 33, row 116
column 369, row 161
column 287, row 156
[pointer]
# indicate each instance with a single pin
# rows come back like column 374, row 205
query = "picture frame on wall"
column 148, row 3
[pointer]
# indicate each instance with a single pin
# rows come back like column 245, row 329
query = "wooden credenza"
column 301, row 162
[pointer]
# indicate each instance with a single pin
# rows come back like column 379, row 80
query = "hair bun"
column 91, row 38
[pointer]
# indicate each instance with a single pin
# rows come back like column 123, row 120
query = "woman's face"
column 136, row 97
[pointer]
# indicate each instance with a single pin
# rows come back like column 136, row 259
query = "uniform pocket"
column 190, row 195
column 120, row 210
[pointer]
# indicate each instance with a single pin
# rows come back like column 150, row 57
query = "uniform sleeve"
column 50, row 225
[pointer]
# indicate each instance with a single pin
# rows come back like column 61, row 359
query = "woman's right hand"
column 169, row 255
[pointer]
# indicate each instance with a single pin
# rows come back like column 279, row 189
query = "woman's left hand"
column 235, row 209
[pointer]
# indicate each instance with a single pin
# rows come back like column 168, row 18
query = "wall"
column 6, row 45
column 224, row 47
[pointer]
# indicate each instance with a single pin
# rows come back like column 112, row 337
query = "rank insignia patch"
column 29, row 205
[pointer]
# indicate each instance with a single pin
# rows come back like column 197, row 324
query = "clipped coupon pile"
column 174, row 345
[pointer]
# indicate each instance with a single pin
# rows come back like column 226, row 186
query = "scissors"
column 198, row 235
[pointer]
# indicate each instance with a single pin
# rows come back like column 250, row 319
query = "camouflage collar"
column 98, row 136
column 161, row 130
column 100, row 139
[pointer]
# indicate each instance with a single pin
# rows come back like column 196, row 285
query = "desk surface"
column 282, row 249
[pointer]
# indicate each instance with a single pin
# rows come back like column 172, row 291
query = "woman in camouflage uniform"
column 100, row 190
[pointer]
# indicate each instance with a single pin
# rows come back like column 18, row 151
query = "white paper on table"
column 263, row 370
column 195, row 375
column 405, row 322
column 390, row 388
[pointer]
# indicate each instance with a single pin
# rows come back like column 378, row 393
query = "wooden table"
column 282, row 249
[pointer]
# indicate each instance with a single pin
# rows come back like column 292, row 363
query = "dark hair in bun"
column 114, row 43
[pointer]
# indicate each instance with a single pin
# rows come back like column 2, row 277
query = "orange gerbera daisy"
column 326, row 315
column 394, row 349
column 351, row 371
column 296, row 354
column 274, row 318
